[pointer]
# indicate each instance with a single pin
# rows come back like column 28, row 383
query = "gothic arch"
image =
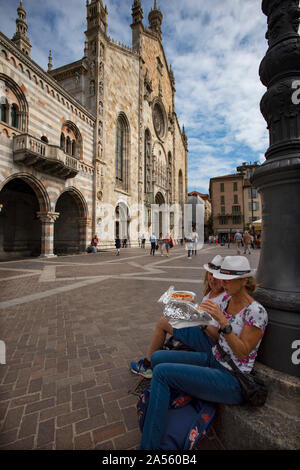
column 122, row 167
column 21, row 101
column 37, row 187
column 78, row 198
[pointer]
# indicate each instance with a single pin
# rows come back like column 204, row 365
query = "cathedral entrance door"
column 67, row 229
column 20, row 228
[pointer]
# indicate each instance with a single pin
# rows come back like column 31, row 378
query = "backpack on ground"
column 188, row 420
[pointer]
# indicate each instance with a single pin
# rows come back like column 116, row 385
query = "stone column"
column 278, row 181
column 47, row 242
column 83, row 223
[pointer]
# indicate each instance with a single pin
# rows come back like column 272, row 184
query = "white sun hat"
column 214, row 265
column 234, row 267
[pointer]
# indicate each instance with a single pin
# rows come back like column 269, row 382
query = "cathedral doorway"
column 20, row 227
column 122, row 221
column 69, row 237
column 159, row 216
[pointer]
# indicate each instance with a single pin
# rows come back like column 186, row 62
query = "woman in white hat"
column 242, row 320
column 192, row 336
column 205, row 375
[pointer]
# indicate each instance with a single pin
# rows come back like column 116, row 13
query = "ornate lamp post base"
column 278, row 181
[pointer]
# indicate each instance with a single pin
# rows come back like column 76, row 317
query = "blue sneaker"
column 140, row 369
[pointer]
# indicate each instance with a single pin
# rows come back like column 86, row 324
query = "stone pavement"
column 71, row 326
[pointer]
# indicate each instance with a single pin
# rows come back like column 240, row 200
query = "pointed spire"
column 20, row 38
column 50, row 65
column 155, row 20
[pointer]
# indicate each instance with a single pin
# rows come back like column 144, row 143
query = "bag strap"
column 227, row 358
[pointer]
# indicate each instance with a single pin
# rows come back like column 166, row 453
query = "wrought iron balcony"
column 45, row 158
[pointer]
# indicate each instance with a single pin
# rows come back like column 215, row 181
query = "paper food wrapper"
column 183, row 310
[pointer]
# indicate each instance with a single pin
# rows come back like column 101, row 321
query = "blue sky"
column 215, row 49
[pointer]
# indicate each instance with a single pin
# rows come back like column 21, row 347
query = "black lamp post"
column 278, row 181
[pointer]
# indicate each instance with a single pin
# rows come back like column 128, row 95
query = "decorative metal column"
column 278, row 181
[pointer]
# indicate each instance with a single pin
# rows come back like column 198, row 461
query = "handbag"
column 254, row 389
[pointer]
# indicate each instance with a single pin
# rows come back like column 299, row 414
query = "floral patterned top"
column 255, row 315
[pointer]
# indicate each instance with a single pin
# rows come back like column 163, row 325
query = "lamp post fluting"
column 278, row 181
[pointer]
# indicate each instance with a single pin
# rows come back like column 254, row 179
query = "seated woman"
column 213, row 289
column 203, row 374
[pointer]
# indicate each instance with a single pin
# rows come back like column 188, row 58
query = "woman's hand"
column 214, row 310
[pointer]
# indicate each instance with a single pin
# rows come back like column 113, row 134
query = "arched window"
column 14, row 117
column 71, row 140
column 68, row 145
column 147, row 161
column 73, row 148
column 122, row 152
column 62, row 141
column 3, row 112
column 180, row 187
column 14, row 110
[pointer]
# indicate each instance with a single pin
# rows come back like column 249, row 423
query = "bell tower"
column 155, row 18
column 20, row 38
column 96, row 16
column 137, row 24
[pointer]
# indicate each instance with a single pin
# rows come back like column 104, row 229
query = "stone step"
column 275, row 426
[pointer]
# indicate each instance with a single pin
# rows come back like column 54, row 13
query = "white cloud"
column 215, row 49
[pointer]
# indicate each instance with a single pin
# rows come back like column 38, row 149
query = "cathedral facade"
column 90, row 147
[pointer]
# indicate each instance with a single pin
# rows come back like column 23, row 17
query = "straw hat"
column 214, row 265
column 234, row 267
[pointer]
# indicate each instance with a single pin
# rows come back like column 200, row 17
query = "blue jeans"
column 196, row 373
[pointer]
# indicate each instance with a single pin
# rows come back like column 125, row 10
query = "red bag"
column 171, row 243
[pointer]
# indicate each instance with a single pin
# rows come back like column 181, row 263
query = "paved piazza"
column 71, row 326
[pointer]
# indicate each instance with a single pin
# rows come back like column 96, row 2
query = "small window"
column 3, row 112
column 222, row 199
column 222, row 187
column 235, row 186
column 235, row 199
column 14, row 116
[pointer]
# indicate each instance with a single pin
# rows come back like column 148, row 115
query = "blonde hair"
column 206, row 285
column 251, row 285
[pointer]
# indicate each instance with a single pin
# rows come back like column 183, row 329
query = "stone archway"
column 71, row 225
column 22, row 199
column 122, row 221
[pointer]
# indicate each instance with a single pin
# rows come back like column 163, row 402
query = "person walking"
column 118, row 245
column 195, row 239
column 143, row 241
column 161, row 243
column 238, row 239
column 153, row 244
column 247, row 242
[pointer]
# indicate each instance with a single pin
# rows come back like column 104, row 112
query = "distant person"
column 195, row 238
column 161, row 244
column 118, row 245
column 94, row 243
column 143, row 241
column 153, row 244
column 247, row 242
column 238, row 239
column 229, row 240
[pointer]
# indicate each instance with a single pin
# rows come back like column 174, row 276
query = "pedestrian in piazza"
column 161, row 243
column 153, row 244
column 247, row 242
column 169, row 244
column 143, row 240
column 94, row 243
column 118, row 245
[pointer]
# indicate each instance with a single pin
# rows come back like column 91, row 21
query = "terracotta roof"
column 195, row 193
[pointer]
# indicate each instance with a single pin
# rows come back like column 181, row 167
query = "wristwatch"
column 226, row 330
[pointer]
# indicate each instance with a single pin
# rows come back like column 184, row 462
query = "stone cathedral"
column 98, row 133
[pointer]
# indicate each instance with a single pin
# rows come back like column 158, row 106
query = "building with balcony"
column 235, row 203
column 101, row 131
